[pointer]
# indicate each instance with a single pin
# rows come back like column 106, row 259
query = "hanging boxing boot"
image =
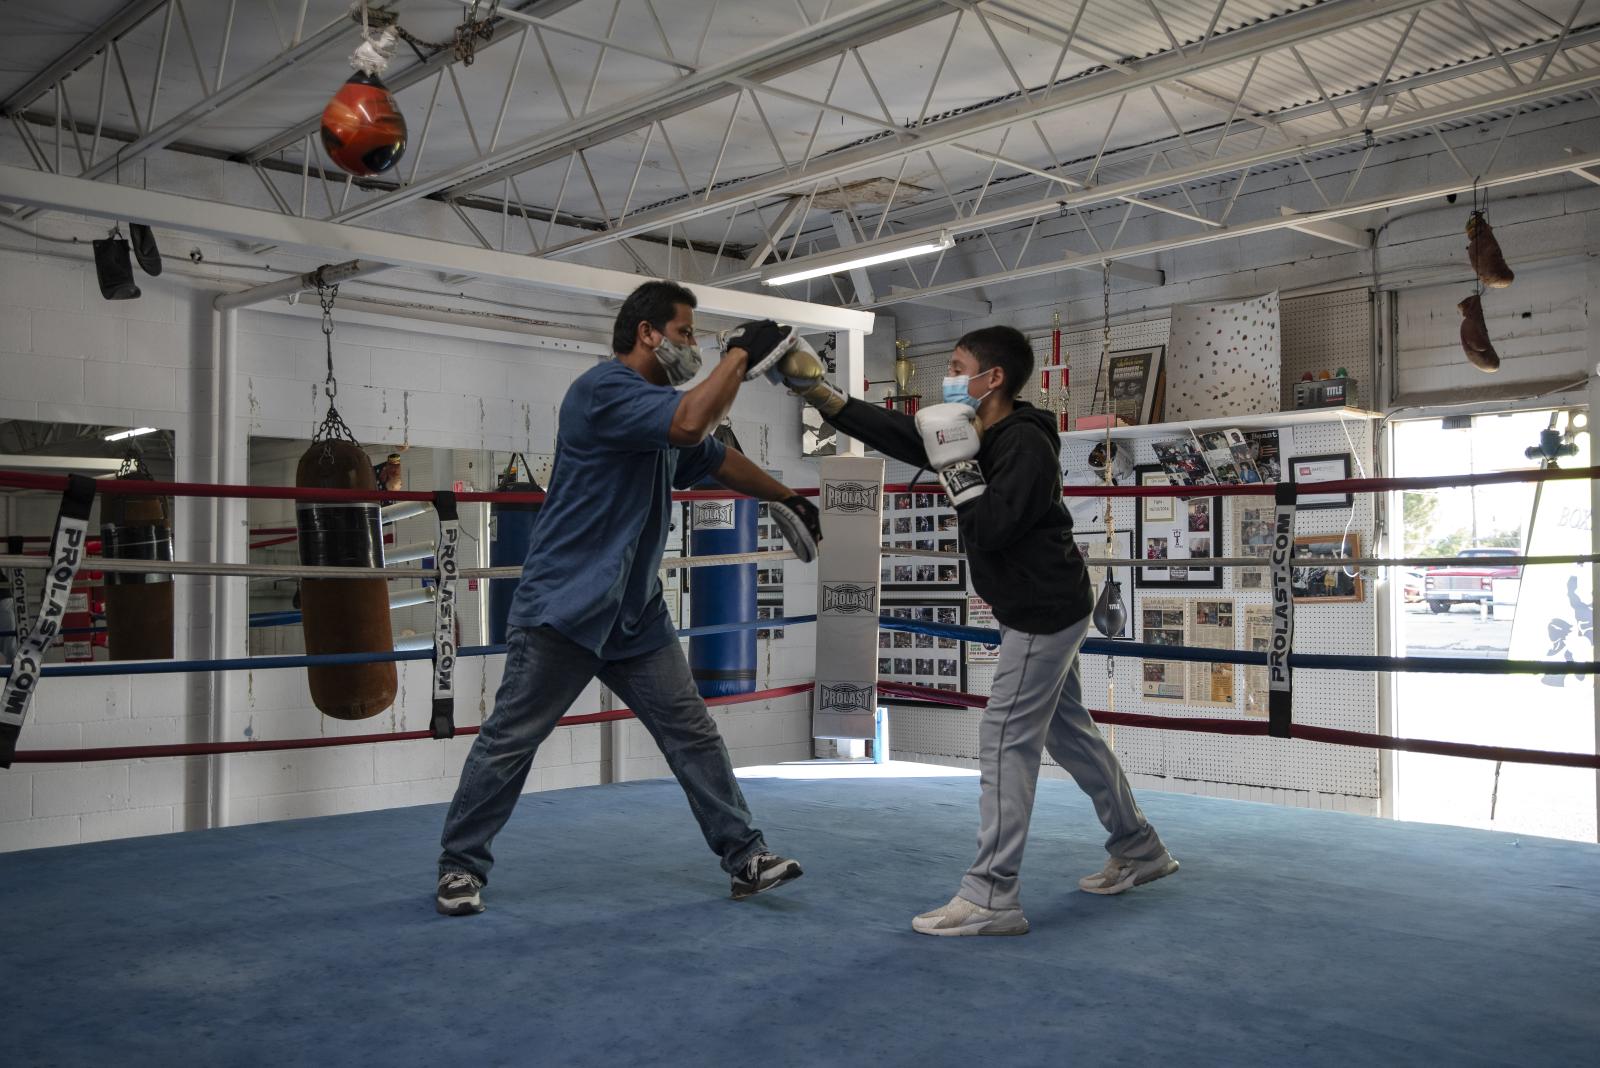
column 1484, row 252
column 1475, row 335
column 1110, row 615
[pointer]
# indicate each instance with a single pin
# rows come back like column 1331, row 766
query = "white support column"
column 851, row 354
column 1594, row 495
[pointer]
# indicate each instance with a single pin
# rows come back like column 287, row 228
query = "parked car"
column 1413, row 583
column 1469, row 583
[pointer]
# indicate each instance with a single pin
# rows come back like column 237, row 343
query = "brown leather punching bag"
column 138, row 604
column 344, row 615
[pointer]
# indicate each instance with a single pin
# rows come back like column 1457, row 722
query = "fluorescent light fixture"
column 138, row 431
column 781, row 274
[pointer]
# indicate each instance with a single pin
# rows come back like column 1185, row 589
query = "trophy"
column 903, row 400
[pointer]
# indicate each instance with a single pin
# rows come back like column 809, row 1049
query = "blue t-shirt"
column 594, row 560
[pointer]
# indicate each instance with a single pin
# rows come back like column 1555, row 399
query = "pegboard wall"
column 1327, row 332
column 1080, row 351
column 1346, row 700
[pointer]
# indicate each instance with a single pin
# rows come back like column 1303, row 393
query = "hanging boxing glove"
column 1483, row 250
column 1110, row 614
column 950, row 438
column 1475, row 335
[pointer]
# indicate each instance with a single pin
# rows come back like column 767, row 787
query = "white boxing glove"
column 950, row 437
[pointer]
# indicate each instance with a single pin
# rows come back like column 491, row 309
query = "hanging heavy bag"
column 363, row 130
column 510, row 534
column 342, row 615
column 113, row 268
column 139, row 622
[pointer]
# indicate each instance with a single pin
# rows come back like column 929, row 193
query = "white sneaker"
column 962, row 917
column 1121, row 874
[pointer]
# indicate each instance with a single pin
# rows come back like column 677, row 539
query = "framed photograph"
column 1325, row 583
column 1132, row 375
column 770, row 609
column 1330, row 468
column 923, row 659
column 1093, row 543
column 1191, row 528
column 920, row 523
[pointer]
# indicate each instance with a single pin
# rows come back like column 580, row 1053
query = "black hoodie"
column 1018, row 535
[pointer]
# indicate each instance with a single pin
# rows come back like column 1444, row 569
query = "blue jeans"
column 545, row 673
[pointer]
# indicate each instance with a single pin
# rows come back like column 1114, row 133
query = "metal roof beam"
column 1213, row 168
column 397, row 80
column 198, row 112
column 793, row 52
column 100, row 200
column 1269, row 35
column 132, row 13
column 1570, row 161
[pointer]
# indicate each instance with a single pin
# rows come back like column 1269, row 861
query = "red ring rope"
column 145, row 488
column 141, row 752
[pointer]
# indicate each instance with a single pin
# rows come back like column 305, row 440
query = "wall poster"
column 1170, row 530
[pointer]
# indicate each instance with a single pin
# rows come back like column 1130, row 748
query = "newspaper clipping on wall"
column 1211, row 627
column 1253, row 518
column 1257, row 639
column 1161, row 622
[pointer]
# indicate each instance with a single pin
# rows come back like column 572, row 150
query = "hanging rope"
column 464, row 42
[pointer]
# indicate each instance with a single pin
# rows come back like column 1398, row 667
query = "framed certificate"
column 1188, row 529
column 1132, row 375
column 1330, row 468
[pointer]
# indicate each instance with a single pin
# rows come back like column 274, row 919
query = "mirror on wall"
column 396, row 534
column 112, row 615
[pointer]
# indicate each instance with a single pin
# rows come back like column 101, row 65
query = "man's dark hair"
column 655, row 303
column 1003, row 347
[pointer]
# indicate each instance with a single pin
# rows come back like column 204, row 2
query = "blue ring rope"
column 1331, row 661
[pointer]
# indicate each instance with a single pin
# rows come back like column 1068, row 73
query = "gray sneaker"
column 458, row 894
column 1121, row 874
column 962, row 917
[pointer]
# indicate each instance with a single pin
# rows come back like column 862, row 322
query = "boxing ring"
column 1291, row 936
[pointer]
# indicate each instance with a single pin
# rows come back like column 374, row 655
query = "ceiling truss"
column 1158, row 177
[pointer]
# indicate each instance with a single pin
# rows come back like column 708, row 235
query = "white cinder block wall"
column 67, row 355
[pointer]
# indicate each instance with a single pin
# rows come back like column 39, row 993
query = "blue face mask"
column 955, row 391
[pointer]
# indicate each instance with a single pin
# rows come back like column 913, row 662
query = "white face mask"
column 680, row 362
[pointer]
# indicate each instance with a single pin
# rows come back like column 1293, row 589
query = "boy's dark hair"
column 1004, row 347
column 655, row 303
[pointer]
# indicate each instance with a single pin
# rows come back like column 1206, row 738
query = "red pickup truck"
column 1469, row 583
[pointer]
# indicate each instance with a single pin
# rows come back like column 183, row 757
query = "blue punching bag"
column 724, row 663
column 510, row 532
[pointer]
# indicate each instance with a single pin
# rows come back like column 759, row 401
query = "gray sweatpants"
column 1036, row 703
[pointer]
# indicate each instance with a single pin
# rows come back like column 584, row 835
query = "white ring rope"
column 675, row 563
column 184, row 567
